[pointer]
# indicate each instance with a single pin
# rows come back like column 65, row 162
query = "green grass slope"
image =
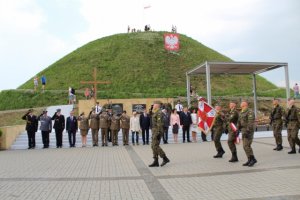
column 138, row 66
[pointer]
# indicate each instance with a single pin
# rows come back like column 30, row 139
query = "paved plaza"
column 122, row 173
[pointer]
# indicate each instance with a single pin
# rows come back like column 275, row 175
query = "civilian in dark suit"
column 72, row 126
column 59, row 126
column 166, row 120
column 185, row 122
column 145, row 126
column 31, row 127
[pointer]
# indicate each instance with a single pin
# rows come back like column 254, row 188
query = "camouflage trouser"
column 231, row 139
column 114, row 136
column 247, row 141
column 293, row 137
column 155, row 146
column 104, row 135
column 125, row 134
column 277, row 128
column 95, row 136
column 217, row 137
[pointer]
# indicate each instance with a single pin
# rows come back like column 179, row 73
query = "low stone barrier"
column 9, row 135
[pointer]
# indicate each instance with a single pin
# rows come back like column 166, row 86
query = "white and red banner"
column 171, row 41
column 206, row 114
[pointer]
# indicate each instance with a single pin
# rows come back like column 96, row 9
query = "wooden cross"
column 95, row 82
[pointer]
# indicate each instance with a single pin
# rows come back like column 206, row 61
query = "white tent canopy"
column 235, row 68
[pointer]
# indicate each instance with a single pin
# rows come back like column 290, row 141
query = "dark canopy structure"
column 235, row 68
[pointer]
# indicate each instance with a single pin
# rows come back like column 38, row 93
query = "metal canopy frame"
column 235, row 68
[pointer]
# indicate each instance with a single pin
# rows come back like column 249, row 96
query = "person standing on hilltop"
column 59, row 126
column 43, row 80
column 31, row 127
column 35, row 83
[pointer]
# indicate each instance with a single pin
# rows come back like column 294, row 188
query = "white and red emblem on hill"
column 171, row 41
column 206, row 114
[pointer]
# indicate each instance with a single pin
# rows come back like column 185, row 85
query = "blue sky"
column 36, row 33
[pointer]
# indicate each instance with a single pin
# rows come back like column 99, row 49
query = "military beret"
column 58, row 110
column 30, row 110
column 157, row 102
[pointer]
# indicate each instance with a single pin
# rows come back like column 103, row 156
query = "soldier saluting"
column 292, row 122
column 157, row 131
column 276, row 121
column 31, row 127
column 246, row 126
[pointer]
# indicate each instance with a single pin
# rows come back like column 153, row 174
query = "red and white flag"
column 171, row 42
column 206, row 114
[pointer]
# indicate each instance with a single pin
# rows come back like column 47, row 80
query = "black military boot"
column 165, row 161
column 247, row 163
column 252, row 161
column 293, row 151
column 279, row 147
column 155, row 163
column 218, row 155
column 222, row 152
column 234, row 157
column 275, row 149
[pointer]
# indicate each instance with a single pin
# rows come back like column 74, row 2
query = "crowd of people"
column 181, row 117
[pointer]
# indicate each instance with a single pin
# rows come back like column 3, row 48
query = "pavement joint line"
column 286, row 197
column 156, row 189
column 258, row 142
column 227, row 172
column 148, row 177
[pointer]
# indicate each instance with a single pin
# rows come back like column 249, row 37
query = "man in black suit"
column 59, row 126
column 31, row 127
column 72, row 126
column 145, row 126
column 185, row 122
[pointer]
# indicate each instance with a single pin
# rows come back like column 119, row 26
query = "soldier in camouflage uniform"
column 157, row 131
column 292, row 122
column 276, row 121
column 125, row 125
column 115, row 128
column 94, row 125
column 104, row 124
column 218, row 131
column 246, row 126
column 233, row 117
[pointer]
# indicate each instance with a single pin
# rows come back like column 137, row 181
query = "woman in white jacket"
column 135, row 127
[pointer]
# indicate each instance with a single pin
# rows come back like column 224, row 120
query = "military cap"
column 233, row 101
column 30, row 110
column 157, row 102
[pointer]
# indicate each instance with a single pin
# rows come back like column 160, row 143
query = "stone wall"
column 9, row 135
column 86, row 105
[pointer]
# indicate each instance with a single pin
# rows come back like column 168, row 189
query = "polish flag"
column 206, row 114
